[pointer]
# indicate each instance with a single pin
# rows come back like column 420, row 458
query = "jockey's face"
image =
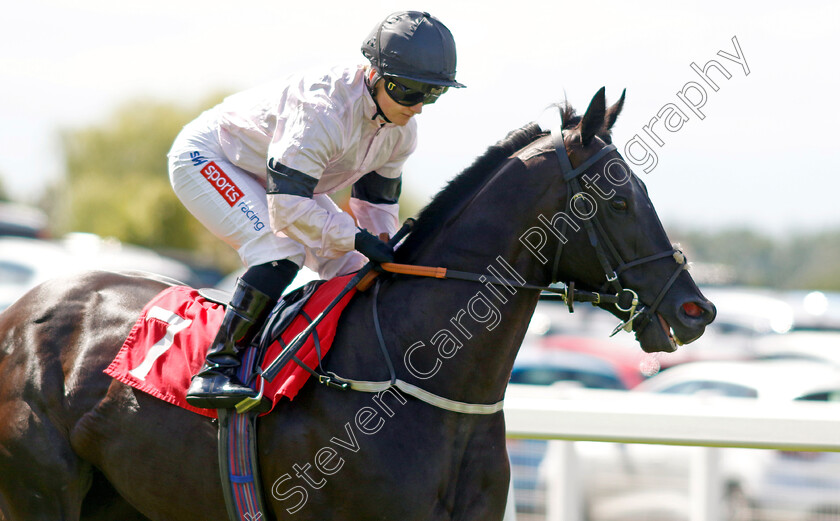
column 396, row 113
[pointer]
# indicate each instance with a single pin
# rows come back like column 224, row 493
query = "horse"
column 78, row 445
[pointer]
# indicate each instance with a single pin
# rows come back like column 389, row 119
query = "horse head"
column 615, row 241
column 581, row 216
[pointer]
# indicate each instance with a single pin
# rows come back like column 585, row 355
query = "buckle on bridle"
column 634, row 303
column 333, row 383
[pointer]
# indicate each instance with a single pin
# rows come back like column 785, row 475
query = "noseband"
column 626, row 300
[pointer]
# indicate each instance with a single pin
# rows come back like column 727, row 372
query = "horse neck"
column 489, row 224
column 474, row 329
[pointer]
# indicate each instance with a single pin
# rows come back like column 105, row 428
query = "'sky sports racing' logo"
column 222, row 183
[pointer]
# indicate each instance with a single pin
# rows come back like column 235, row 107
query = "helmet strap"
column 371, row 80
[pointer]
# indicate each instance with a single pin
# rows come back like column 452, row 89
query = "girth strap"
column 238, row 461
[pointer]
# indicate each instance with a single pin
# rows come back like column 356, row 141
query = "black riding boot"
column 216, row 385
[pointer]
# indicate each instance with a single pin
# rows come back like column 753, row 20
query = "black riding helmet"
column 413, row 45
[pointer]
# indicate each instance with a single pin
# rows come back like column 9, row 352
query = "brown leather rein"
column 567, row 293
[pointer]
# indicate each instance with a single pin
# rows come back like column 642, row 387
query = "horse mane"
column 464, row 185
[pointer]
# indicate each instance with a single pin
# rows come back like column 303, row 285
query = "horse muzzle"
column 671, row 326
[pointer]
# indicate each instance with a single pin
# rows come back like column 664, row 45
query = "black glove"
column 372, row 248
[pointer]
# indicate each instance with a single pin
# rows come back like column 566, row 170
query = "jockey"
column 257, row 168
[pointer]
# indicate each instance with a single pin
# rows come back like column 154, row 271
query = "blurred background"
column 94, row 93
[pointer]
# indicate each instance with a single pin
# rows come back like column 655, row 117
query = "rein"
column 567, row 293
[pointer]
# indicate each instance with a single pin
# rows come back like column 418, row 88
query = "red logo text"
column 222, row 183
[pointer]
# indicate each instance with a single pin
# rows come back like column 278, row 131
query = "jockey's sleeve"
column 294, row 213
column 297, row 157
column 374, row 200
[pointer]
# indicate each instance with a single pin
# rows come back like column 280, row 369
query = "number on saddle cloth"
column 284, row 313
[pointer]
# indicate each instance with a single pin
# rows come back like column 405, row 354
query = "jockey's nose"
column 417, row 109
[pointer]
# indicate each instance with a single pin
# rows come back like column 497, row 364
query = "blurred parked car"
column 815, row 310
column 587, row 331
column 762, row 379
column 750, row 311
column 26, row 262
column 757, row 484
column 20, row 220
column 730, row 337
column 99, row 253
column 821, row 346
column 554, row 368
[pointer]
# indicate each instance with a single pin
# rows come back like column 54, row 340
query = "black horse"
column 75, row 444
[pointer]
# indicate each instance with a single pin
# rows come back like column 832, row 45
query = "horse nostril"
column 693, row 310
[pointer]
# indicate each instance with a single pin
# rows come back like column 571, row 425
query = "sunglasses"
column 409, row 92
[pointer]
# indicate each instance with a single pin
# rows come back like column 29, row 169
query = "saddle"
column 281, row 317
column 289, row 307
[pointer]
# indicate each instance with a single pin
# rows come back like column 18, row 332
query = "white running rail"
column 628, row 417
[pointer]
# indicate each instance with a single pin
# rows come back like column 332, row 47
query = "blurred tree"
column 117, row 184
column 749, row 253
column 4, row 195
column 802, row 261
column 810, row 262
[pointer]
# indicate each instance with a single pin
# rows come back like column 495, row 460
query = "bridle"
column 626, row 300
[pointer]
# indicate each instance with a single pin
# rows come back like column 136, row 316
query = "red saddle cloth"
column 169, row 341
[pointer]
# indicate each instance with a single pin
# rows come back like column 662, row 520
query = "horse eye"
column 618, row 204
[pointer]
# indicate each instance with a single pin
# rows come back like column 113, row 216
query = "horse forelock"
column 570, row 123
column 568, row 116
column 464, row 185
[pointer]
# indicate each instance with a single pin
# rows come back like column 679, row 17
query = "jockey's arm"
column 374, row 200
column 293, row 212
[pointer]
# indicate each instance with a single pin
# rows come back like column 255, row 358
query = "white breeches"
column 232, row 204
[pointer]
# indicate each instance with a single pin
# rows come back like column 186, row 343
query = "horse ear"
column 593, row 121
column 614, row 111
